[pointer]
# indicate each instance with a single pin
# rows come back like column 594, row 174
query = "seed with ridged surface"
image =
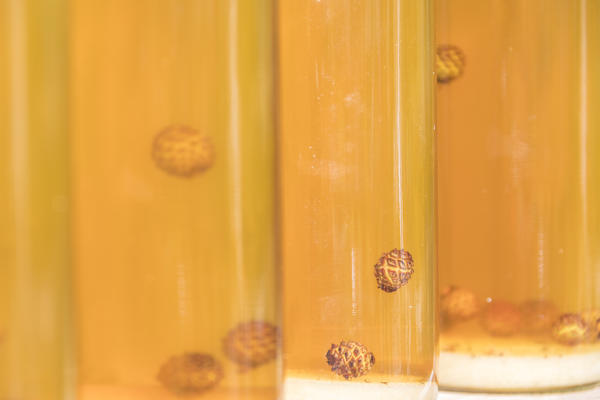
column 449, row 63
column 501, row 318
column 350, row 359
column 592, row 318
column 458, row 304
column 251, row 344
column 570, row 329
column 393, row 270
column 190, row 373
column 182, row 151
column 538, row 316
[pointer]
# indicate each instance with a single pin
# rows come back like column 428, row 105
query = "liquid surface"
column 173, row 169
column 357, row 168
column 518, row 171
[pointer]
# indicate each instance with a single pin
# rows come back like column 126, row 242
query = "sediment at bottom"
column 157, row 392
column 315, row 389
column 458, row 371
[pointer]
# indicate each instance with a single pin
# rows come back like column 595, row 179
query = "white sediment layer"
column 314, row 389
column 517, row 373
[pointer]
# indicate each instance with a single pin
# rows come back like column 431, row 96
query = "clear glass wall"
column 35, row 318
column 519, row 188
column 358, row 199
column 173, row 167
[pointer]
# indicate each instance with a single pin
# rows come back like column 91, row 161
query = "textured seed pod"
column 350, row 359
column 252, row 344
column 182, row 151
column 538, row 316
column 190, row 373
column 458, row 304
column 393, row 270
column 570, row 329
column 592, row 318
column 501, row 318
column 449, row 63
column 444, row 322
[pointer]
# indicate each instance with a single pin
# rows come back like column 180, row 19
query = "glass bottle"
column 519, row 184
column 174, row 200
column 35, row 314
column 357, row 171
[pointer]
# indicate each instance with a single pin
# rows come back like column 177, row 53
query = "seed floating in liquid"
column 182, row 151
column 350, row 359
column 570, row 329
column 458, row 304
column 444, row 322
column 538, row 316
column 501, row 318
column 592, row 318
column 449, row 63
column 393, row 270
column 251, row 344
column 190, row 373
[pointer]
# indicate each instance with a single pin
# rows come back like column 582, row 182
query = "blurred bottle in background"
column 519, row 188
column 35, row 312
column 174, row 205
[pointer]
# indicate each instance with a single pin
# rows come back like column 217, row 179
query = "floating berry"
column 190, row 373
column 501, row 318
column 458, row 304
column 538, row 315
column 449, row 63
column 592, row 318
column 570, row 329
column 444, row 322
column 393, row 270
column 182, row 151
column 251, row 344
column 350, row 359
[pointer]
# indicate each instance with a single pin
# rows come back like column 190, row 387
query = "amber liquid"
column 519, row 166
column 35, row 334
column 168, row 264
column 357, row 168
